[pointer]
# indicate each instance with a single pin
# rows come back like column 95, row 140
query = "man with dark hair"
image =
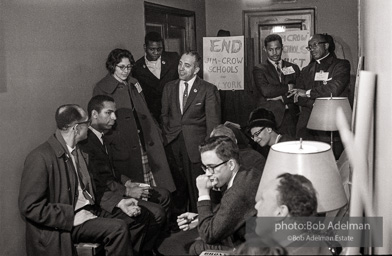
column 57, row 199
column 156, row 68
column 190, row 110
column 326, row 76
column 221, row 224
column 249, row 158
column 273, row 79
column 113, row 187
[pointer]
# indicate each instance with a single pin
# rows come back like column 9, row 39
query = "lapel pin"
column 144, row 66
column 163, row 62
column 194, row 90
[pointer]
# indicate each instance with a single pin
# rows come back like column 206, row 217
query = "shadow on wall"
column 3, row 74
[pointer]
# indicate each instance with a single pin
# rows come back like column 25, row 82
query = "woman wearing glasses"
column 262, row 129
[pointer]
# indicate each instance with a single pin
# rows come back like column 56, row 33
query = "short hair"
column 225, row 148
column 68, row 114
column 96, row 103
column 273, row 37
column 196, row 55
column 116, row 56
column 222, row 130
column 298, row 194
column 152, row 37
column 223, row 33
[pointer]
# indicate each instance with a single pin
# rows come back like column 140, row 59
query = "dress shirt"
column 97, row 133
column 154, row 66
column 274, row 63
column 80, row 216
column 182, row 88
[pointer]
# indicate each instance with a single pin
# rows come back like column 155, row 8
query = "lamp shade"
column 315, row 161
column 323, row 116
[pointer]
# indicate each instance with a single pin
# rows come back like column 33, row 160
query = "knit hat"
column 261, row 117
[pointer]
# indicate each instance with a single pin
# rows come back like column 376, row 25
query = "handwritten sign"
column 223, row 62
column 294, row 47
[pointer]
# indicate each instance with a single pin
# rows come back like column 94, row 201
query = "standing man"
column 221, row 220
column 325, row 76
column 56, row 195
column 111, row 186
column 190, row 111
column 273, row 79
column 154, row 70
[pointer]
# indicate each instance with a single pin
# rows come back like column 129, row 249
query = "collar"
column 150, row 61
column 278, row 138
column 274, row 63
column 231, row 181
column 97, row 133
column 190, row 82
column 57, row 142
column 319, row 60
column 109, row 84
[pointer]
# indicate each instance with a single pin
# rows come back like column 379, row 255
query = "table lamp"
column 315, row 161
column 323, row 116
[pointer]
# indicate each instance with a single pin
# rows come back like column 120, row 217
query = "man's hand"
column 187, row 221
column 204, row 183
column 297, row 93
column 129, row 207
column 134, row 190
column 276, row 98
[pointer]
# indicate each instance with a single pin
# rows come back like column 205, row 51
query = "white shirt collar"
column 190, row 82
column 97, row 133
column 319, row 60
column 274, row 63
column 152, row 62
column 231, row 181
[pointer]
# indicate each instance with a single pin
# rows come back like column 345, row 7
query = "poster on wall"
column 223, row 62
column 294, row 47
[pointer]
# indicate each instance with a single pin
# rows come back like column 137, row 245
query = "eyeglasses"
column 123, row 68
column 212, row 168
column 314, row 46
column 88, row 122
column 257, row 133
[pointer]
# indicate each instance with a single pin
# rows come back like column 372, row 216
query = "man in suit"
column 221, row 220
column 273, row 79
column 154, row 70
column 325, row 76
column 112, row 187
column 57, row 199
column 190, row 110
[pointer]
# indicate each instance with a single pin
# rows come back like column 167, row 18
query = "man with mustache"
column 273, row 79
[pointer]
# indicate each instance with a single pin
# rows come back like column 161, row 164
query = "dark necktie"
column 86, row 194
column 185, row 96
column 279, row 70
column 105, row 146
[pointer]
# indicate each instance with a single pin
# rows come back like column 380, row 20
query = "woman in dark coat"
column 136, row 140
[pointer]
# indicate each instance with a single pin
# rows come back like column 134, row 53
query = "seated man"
column 249, row 158
column 289, row 195
column 221, row 225
column 262, row 127
column 56, row 197
column 111, row 186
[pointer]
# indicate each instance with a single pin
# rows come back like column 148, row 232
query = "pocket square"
column 197, row 104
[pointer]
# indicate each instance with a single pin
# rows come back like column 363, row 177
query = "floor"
column 178, row 243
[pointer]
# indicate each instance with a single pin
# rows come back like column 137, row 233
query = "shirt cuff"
column 308, row 93
column 205, row 197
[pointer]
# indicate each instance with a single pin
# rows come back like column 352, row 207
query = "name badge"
column 321, row 76
column 138, row 87
column 288, row 71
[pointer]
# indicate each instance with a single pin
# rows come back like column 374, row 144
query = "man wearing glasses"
column 325, row 76
column 221, row 223
column 262, row 128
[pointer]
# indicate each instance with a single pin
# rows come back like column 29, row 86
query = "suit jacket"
column 225, row 223
column 152, row 86
column 47, row 198
column 108, row 181
column 124, row 138
column 201, row 114
column 269, row 86
column 339, row 73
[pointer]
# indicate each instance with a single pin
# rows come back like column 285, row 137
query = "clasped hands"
column 129, row 207
column 296, row 93
column 187, row 221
